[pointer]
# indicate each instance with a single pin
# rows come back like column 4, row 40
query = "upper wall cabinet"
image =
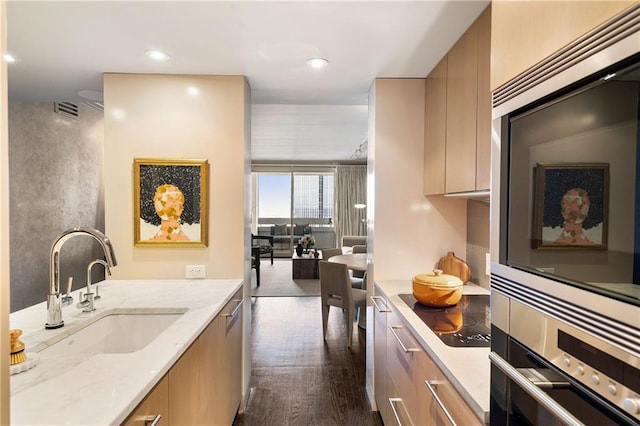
column 458, row 115
column 524, row 33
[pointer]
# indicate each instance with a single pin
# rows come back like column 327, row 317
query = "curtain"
column 350, row 189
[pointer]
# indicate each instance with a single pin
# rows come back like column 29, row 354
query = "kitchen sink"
column 114, row 333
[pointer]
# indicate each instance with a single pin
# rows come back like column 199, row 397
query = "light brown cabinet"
column 205, row 385
column 406, row 367
column 458, row 115
column 380, row 311
column 525, row 33
column 435, row 129
column 154, row 407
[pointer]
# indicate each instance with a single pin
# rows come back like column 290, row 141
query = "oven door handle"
column 533, row 391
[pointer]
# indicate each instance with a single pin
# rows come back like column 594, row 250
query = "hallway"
column 296, row 377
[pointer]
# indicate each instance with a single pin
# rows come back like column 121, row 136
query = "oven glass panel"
column 573, row 199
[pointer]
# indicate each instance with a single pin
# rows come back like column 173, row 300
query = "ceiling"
column 299, row 114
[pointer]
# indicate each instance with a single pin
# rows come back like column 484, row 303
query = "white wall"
column 4, row 228
column 410, row 231
column 153, row 116
column 407, row 232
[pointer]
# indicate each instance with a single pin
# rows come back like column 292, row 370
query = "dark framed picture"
column 170, row 202
column 570, row 206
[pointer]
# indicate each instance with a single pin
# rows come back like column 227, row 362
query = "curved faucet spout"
column 54, row 310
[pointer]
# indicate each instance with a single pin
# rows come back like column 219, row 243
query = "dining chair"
column 335, row 290
column 330, row 252
column 255, row 263
column 358, row 249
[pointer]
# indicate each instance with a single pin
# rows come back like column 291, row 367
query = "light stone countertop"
column 468, row 369
column 106, row 388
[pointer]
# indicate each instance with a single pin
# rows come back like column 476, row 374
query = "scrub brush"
column 17, row 347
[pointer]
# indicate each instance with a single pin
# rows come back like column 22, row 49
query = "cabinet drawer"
column 403, row 357
column 438, row 400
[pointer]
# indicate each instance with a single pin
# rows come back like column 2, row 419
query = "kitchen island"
column 105, row 388
column 466, row 368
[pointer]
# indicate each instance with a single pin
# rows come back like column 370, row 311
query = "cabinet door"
column 483, row 131
column 380, row 311
column 231, row 369
column 185, row 383
column 154, row 407
column 462, row 95
column 211, row 385
column 442, row 402
column 525, row 33
column 435, row 129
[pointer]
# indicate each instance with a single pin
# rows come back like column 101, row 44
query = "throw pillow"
column 302, row 229
column 280, row 229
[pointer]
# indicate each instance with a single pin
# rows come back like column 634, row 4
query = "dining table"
column 354, row 261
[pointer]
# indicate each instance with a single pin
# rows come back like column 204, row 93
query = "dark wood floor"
column 297, row 378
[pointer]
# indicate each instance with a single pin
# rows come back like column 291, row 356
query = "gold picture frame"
column 171, row 206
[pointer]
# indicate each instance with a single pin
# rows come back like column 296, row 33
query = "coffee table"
column 305, row 268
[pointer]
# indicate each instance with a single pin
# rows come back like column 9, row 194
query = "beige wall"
column 4, row 229
column 153, row 116
column 410, row 232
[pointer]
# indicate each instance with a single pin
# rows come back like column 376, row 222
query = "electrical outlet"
column 195, row 271
column 487, row 264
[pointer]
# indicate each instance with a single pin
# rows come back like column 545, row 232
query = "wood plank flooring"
column 298, row 378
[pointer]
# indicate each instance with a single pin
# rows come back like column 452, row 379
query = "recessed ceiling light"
column 92, row 95
column 157, row 55
column 317, row 63
column 9, row 58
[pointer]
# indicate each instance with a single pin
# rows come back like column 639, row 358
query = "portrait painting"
column 570, row 207
column 170, row 202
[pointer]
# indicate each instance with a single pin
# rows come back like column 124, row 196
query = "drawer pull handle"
column 393, row 329
column 432, row 385
column 373, row 299
column 393, row 402
column 152, row 420
column 235, row 310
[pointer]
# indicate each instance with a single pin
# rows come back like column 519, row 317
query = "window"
column 291, row 204
column 313, row 196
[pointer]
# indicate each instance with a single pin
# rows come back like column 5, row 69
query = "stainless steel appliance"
column 467, row 324
column 565, row 236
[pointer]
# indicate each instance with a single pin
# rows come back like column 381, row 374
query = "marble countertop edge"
column 106, row 388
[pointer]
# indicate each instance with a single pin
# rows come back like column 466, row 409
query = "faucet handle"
column 67, row 299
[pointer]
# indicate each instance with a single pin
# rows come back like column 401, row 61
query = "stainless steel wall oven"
column 565, row 235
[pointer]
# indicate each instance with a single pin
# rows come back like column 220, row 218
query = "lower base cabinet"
column 204, row 386
column 416, row 391
column 154, row 408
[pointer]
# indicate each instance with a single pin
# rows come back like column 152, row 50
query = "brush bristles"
column 18, row 357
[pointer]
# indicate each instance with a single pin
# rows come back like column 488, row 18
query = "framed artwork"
column 570, row 206
column 170, row 202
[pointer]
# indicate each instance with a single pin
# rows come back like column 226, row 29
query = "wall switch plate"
column 195, row 271
column 487, row 264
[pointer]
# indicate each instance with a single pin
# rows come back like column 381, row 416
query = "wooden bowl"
column 437, row 289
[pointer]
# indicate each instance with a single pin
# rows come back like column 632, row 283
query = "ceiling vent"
column 67, row 109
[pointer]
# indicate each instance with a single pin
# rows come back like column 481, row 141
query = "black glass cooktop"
column 467, row 324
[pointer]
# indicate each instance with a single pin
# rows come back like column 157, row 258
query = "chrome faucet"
column 54, row 306
column 86, row 303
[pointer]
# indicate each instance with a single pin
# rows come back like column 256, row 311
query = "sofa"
column 348, row 241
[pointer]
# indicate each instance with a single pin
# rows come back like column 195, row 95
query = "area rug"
column 276, row 281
